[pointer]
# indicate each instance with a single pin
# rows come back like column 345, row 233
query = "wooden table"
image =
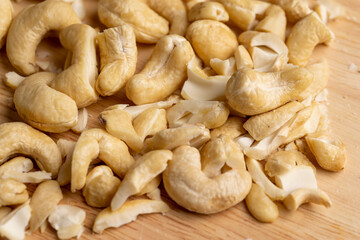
column 341, row 221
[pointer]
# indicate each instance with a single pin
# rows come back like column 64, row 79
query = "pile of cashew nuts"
column 229, row 107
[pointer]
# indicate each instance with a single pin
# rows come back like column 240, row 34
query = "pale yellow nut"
column 148, row 26
column 12, row 192
column 294, row 9
column 208, row 10
column 7, row 14
column 100, row 187
column 210, row 113
column 191, row 3
column 145, row 169
column 20, row 138
column 13, row 80
column 42, row 106
column 43, row 202
column 273, row 22
column 97, row 143
column 260, row 205
column 78, row 79
column 211, row 39
column 243, row 58
column 223, row 67
column 321, row 12
column 66, row 148
column 262, row 125
column 127, row 213
column 154, row 194
column 250, row 92
column 118, row 56
column 189, row 187
column 82, row 121
column 151, row 186
column 149, row 122
column 163, row 73
column 334, row 9
column 329, row 154
column 304, row 36
column 306, row 195
column 233, row 127
column 30, row 26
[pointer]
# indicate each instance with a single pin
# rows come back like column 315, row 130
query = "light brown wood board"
column 341, row 221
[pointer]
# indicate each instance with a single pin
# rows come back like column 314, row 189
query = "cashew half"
column 30, row 26
column 306, row 195
column 19, row 138
column 208, row 10
column 12, row 192
column 7, row 14
column 273, row 22
column 233, row 127
column 163, row 73
column 187, row 185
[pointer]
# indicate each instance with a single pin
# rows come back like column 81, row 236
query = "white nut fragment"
column 223, row 67
column 306, row 195
column 12, row 192
column 208, row 10
column 67, row 221
column 274, row 22
column 127, row 213
column 210, row 113
column 13, row 80
column 13, row 225
column 66, row 148
column 188, row 186
column 146, row 168
column 7, row 14
column 82, row 121
column 233, row 127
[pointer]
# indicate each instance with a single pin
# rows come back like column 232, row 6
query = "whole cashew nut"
column 187, row 185
column 306, row 195
column 7, row 14
column 30, row 26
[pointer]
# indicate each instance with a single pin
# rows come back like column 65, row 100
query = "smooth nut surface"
column 7, row 14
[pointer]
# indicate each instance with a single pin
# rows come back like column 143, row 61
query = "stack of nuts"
column 218, row 118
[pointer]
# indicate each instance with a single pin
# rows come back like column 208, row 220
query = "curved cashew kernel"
column 30, row 26
column 304, row 36
column 273, row 22
column 19, row 138
column 127, row 213
column 7, row 14
column 306, row 195
column 211, row 39
column 233, row 127
column 43, row 202
column 243, row 58
column 13, row 80
column 118, row 56
column 95, row 143
column 116, row 13
column 66, row 148
column 188, row 186
column 208, row 10
column 35, row 102
column 12, row 192
column 78, row 80
column 187, row 134
column 13, row 225
column 82, row 121
column 223, row 67
column 281, row 162
column 145, row 169
column 294, row 9
column 260, row 205
column 243, row 12
column 149, row 122
column 329, row 154
column 263, row 125
column 163, row 73
column 250, row 92
column 100, row 186
column 218, row 152
column 212, row 114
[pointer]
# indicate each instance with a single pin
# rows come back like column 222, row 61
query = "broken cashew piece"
column 223, row 67
column 12, row 192
column 82, row 121
column 306, row 195
column 146, row 168
column 149, row 122
column 294, row 9
column 30, row 26
column 13, row 80
column 233, row 127
column 273, row 22
column 66, row 148
column 208, row 10
column 7, row 14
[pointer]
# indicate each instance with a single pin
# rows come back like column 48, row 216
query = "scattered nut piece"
column 233, row 127
column 208, row 10
column 321, row 11
column 334, row 9
column 306, row 195
column 243, row 58
column 223, row 67
column 149, row 122
column 82, row 121
column 12, row 192
column 66, row 148
column 295, row 9
column 273, row 22
column 13, row 80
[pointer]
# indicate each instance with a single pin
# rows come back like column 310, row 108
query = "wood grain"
column 341, row 221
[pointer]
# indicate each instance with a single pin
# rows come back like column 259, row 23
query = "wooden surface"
column 341, row 221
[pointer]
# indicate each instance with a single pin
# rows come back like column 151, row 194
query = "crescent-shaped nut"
column 163, row 73
column 113, row 13
column 100, row 187
column 12, row 192
column 118, row 56
column 19, row 138
column 304, row 36
column 250, row 92
column 95, row 143
column 7, row 14
column 30, row 26
column 149, row 122
column 273, row 22
column 43, row 107
column 43, row 202
column 208, row 10
column 211, row 39
column 78, row 79
column 127, row 213
column 145, row 169
column 189, row 187
column 306, row 195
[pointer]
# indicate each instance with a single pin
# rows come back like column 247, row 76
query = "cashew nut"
column 82, row 121
column 12, row 192
column 118, row 55
column 273, row 22
column 100, row 186
column 153, row 195
column 66, row 148
column 13, row 80
column 7, row 14
column 149, row 122
column 233, row 127
column 260, row 205
column 250, row 92
column 242, row 58
column 151, row 186
column 208, row 10
column 19, row 138
column 334, row 9
column 294, row 9
column 146, row 168
column 30, row 26
column 321, row 12
column 163, row 73
column 211, row 39
column 223, row 67
column 304, row 36
column 306, row 195
column 188, row 186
